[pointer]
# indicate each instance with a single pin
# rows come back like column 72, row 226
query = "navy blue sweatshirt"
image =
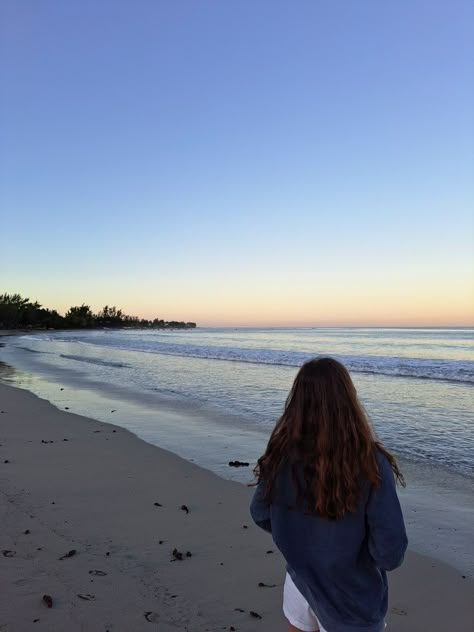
column 339, row 566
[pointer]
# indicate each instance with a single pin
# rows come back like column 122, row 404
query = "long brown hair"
column 324, row 433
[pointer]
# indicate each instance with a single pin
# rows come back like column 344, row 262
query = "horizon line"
column 299, row 326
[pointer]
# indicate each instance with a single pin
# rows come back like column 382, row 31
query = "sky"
column 306, row 162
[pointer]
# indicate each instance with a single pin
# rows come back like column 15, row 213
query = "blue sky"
column 240, row 162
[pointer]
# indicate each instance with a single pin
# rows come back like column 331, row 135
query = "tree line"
column 17, row 312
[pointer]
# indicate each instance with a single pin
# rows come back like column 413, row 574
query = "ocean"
column 230, row 384
column 213, row 396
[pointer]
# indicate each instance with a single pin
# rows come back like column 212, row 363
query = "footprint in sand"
column 399, row 612
column 152, row 617
column 86, row 597
column 21, row 582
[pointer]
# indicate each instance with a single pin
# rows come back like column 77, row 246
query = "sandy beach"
column 123, row 506
column 200, row 199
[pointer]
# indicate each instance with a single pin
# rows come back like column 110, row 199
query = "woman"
column 326, row 492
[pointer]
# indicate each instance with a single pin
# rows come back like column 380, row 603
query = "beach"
column 200, row 199
column 69, row 483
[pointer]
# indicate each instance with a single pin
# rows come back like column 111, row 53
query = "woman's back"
column 336, row 556
column 339, row 565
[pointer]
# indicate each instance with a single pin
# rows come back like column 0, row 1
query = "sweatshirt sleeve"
column 260, row 509
column 387, row 538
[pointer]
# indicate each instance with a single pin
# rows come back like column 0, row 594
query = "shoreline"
column 103, row 501
column 438, row 503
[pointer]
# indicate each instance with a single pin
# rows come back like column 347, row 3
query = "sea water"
column 417, row 385
column 213, row 396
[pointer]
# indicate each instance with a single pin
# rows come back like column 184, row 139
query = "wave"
column 420, row 368
column 35, row 350
column 89, row 360
column 461, row 371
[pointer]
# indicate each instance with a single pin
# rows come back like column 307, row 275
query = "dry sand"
column 71, row 483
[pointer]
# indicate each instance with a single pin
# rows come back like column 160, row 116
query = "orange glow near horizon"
column 394, row 295
column 328, row 304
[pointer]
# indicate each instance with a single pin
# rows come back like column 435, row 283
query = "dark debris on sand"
column 255, row 615
column 70, row 553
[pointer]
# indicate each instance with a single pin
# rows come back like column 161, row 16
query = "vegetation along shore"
column 17, row 312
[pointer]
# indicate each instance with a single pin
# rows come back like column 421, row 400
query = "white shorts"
column 297, row 610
